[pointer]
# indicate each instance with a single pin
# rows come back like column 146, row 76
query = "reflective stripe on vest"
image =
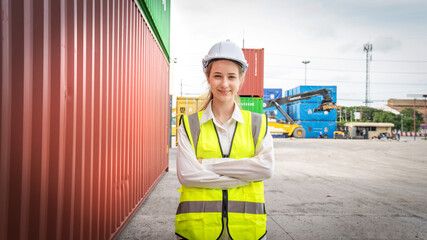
column 201, row 210
column 216, row 206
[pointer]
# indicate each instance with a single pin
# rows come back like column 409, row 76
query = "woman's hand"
column 200, row 160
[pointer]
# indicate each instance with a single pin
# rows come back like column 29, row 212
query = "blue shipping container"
column 272, row 93
column 313, row 129
column 305, row 112
column 303, row 89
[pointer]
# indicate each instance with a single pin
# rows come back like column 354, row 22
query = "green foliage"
column 389, row 117
column 409, row 112
column 408, row 124
column 405, row 118
column 408, row 119
column 367, row 113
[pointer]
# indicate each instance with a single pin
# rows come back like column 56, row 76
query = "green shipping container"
column 157, row 14
column 253, row 104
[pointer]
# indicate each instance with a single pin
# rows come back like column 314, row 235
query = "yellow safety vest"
column 201, row 210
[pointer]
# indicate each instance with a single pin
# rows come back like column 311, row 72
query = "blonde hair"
column 209, row 96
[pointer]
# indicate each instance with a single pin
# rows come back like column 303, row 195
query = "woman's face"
column 224, row 80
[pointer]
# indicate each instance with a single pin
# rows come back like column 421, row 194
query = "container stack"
column 186, row 106
column 269, row 94
column 84, row 115
column 302, row 112
column 272, row 93
column 252, row 91
column 253, row 104
column 157, row 15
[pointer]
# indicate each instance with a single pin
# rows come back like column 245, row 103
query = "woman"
column 224, row 153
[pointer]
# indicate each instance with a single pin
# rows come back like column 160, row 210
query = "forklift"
column 289, row 127
column 341, row 132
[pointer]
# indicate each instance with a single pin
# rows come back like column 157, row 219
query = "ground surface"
column 322, row 189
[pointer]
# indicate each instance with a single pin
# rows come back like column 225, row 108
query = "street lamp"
column 418, row 96
column 305, row 66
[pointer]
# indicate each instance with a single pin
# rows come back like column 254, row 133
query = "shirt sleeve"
column 257, row 168
column 192, row 174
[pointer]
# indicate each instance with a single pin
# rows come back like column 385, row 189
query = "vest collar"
column 208, row 114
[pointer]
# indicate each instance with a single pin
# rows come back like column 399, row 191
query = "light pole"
column 415, row 129
column 416, row 96
column 305, row 66
column 368, row 49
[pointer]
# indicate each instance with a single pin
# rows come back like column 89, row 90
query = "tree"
column 382, row 116
column 409, row 112
column 408, row 119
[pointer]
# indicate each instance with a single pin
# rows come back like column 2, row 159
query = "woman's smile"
column 224, row 92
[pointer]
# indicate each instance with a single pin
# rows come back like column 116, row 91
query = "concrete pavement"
column 322, row 189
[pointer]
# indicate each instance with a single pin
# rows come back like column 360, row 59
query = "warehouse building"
column 400, row 104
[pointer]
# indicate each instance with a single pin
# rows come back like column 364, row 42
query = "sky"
column 328, row 33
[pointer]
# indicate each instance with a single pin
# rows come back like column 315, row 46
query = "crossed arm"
column 223, row 173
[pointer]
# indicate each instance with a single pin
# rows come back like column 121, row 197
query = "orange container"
column 253, row 85
column 84, row 117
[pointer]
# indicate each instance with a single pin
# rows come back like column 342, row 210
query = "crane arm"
column 326, row 104
column 301, row 96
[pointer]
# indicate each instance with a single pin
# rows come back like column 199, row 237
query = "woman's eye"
column 217, row 76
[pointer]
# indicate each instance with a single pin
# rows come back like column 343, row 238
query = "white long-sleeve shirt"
column 223, row 173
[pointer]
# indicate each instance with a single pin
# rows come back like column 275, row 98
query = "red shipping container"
column 253, row 85
column 84, row 117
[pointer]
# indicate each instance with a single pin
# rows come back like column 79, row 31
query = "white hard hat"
column 225, row 50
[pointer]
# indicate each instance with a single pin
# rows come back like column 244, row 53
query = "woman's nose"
column 224, row 82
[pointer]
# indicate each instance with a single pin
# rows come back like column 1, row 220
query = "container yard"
column 89, row 119
column 322, row 189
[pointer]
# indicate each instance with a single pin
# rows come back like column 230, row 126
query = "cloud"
column 386, row 44
column 351, row 47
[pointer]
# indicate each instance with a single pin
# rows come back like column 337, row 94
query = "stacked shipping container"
column 313, row 129
column 186, row 106
column 272, row 93
column 253, row 104
column 252, row 91
column 305, row 111
column 269, row 94
column 84, row 105
column 157, row 15
column 253, row 85
column 302, row 112
column 302, row 89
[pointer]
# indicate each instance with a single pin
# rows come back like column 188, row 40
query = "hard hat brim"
column 207, row 60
